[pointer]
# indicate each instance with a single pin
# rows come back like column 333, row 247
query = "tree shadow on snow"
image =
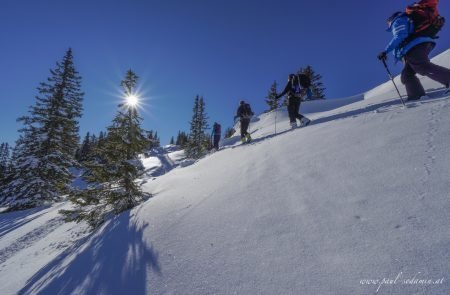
column 10, row 221
column 115, row 260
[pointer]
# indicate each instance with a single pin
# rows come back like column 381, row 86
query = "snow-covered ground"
column 177, row 157
column 356, row 202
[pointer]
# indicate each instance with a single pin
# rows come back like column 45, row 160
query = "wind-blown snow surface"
column 360, row 194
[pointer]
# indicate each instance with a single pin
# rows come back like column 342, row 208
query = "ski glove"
column 382, row 56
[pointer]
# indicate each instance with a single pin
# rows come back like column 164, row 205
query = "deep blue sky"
column 225, row 50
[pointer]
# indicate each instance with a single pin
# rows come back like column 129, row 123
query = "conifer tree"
column 5, row 165
column 182, row 139
column 94, row 147
column 46, row 148
column 177, row 141
column 271, row 98
column 156, row 139
column 4, row 159
column 198, row 139
column 153, row 139
column 101, row 137
column 94, row 140
column 150, row 135
column 86, row 148
column 172, row 140
column 112, row 186
column 317, row 87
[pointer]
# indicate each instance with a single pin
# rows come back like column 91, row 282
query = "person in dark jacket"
column 215, row 135
column 294, row 95
column 414, row 54
column 244, row 113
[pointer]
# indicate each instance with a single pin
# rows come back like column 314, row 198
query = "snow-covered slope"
column 361, row 194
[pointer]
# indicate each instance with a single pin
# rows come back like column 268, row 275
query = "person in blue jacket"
column 414, row 54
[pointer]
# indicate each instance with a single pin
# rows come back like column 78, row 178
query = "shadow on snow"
column 114, row 260
column 10, row 221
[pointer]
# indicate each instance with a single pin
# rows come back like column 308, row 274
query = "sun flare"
column 132, row 100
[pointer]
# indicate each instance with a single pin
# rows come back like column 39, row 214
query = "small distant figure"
column 215, row 135
column 244, row 113
column 414, row 37
column 296, row 93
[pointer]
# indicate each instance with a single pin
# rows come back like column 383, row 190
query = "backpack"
column 304, row 81
column 247, row 111
column 300, row 86
column 426, row 19
column 217, row 129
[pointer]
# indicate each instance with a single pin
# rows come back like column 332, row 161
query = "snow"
column 361, row 194
column 31, row 239
column 177, row 156
column 78, row 182
column 151, row 164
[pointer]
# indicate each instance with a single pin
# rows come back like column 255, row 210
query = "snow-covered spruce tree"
column 5, row 167
column 317, row 87
column 271, row 98
column 48, row 142
column 4, row 160
column 198, row 139
column 112, row 186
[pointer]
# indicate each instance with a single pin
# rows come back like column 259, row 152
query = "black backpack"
column 304, row 80
column 247, row 111
column 217, row 128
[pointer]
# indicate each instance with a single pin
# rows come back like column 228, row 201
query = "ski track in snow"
column 430, row 158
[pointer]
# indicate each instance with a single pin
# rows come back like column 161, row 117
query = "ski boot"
column 304, row 122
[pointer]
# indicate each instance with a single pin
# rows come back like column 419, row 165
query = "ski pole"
column 276, row 111
column 392, row 79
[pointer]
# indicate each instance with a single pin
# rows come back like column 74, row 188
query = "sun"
column 132, row 100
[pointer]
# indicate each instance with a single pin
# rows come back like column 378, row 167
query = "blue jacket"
column 401, row 27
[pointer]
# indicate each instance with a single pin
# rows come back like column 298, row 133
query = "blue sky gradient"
column 224, row 50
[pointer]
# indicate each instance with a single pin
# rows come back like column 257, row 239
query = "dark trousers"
column 216, row 140
column 418, row 62
column 293, row 109
column 244, row 126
